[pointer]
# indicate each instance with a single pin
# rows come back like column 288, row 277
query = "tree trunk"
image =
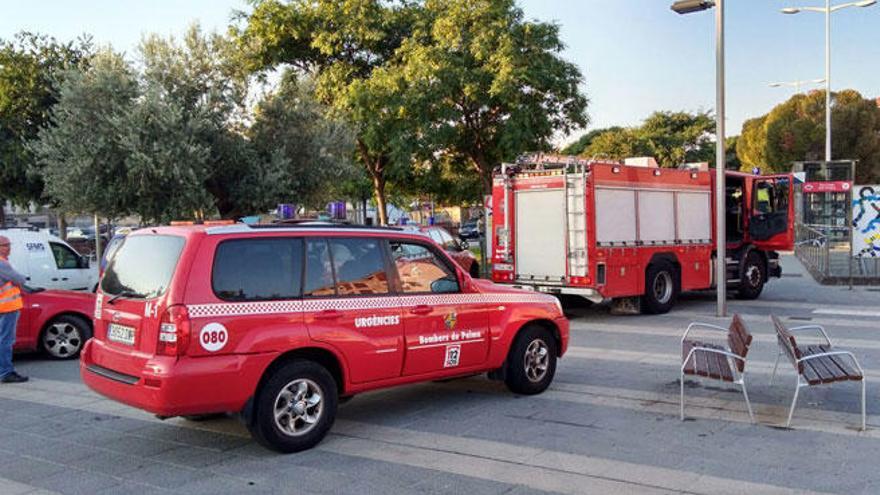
column 485, row 171
column 379, row 191
column 62, row 226
column 2, row 213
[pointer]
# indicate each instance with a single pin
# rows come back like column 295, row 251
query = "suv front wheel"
column 531, row 362
column 295, row 407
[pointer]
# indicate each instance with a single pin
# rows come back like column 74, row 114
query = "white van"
column 49, row 262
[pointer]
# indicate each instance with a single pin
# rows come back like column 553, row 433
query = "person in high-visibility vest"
column 11, row 284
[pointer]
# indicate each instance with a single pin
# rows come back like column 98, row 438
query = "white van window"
column 65, row 258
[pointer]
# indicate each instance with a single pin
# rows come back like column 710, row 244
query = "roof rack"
column 241, row 227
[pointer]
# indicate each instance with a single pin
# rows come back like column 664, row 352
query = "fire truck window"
column 359, row 266
column 258, row 269
column 319, row 271
column 420, row 271
column 765, row 198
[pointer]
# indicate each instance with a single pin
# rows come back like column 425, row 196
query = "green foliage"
column 582, row 143
column 80, row 156
column 795, row 131
column 30, row 70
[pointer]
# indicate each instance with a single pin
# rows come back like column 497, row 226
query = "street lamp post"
column 687, row 7
column 828, row 9
column 796, row 84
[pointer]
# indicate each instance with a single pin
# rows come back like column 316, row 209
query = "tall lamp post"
column 828, row 9
column 796, row 84
column 687, row 7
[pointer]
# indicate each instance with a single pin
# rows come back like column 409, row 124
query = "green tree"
column 485, row 84
column 617, row 144
column 31, row 66
column 343, row 42
column 795, row 131
column 80, row 156
column 303, row 155
column 582, row 143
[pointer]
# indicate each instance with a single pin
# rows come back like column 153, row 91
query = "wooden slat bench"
column 816, row 364
column 717, row 362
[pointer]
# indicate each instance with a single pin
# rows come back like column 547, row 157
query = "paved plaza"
column 609, row 423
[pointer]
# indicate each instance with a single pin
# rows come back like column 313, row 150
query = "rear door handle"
column 328, row 314
column 421, row 309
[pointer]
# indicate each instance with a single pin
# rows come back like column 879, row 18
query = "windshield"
column 142, row 266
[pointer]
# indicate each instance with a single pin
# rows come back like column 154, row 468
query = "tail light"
column 174, row 329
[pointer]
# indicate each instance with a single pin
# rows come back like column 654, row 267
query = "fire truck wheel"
column 531, row 362
column 295, row 407
column 661, row 288
column 752, row 282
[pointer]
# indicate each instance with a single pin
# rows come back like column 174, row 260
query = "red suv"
column 278, row 323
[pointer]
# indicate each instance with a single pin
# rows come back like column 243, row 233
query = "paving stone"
column 78, row 482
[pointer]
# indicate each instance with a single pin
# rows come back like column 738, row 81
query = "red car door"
column 445, row 329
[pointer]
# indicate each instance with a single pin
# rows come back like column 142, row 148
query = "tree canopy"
column 795, row 131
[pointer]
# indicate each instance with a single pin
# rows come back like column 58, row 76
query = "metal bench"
column 816, row 364
column 713, row 361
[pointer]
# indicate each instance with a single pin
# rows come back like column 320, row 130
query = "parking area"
column 608, row 424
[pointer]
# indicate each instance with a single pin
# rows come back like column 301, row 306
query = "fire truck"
column 632, row 232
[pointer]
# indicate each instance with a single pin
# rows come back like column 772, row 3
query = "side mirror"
column 444, row 285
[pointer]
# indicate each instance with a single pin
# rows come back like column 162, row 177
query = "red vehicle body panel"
column 42, row 307
column 485, row 318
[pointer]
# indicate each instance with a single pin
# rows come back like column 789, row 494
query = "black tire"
column 65, row 336
column 531, row 361
column 751, row 282
column 661, row 288
column 269, row 432
column 474, row 270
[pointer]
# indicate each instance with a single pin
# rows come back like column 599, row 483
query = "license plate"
column 120, row 334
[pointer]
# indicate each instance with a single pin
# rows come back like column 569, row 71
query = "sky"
column 636, row 56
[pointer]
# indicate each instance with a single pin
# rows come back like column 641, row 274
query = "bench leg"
column 681, row 396
column 793, row 402
column 864, row 425
column 775, row 365
column 746, row 395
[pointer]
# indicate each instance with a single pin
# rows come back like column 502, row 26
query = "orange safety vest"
column 10, row 297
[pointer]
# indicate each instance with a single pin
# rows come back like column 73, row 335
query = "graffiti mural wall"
column 866, row 221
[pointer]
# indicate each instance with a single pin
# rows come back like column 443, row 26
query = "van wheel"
column 752, row 281
column 295, row 408
column 531, row 362
column 65, row 336
column 661, row 288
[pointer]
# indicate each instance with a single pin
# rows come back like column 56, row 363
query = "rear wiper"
column 125, row 293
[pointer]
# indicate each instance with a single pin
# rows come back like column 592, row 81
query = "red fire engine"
column 633, row 233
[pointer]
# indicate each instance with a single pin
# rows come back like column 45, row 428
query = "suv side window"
column 359, row 266
column 319, row 270
column 258, row 269
column 420, row 270
column 65, row 258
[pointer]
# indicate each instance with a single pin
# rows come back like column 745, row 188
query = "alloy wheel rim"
column 537, row 360
column 753, row 275
column 62, row 340
column 298, row 407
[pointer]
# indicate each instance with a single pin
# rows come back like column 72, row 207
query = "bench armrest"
column 814, row 327
column 701, row 325
column 834, row 353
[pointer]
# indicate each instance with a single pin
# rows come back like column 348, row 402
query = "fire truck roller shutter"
column 615, row 216
column 540, row 234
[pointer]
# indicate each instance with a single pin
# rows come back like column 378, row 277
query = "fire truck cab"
column 615, row 231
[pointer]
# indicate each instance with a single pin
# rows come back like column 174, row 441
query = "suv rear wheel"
column 531, row 362
column 295, row 407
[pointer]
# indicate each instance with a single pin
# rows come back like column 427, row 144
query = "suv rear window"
column 143, row 266
column 258, row 269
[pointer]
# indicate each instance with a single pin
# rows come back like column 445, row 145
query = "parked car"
column 453, row 248
column 470, row 230
column 56, row 322
column 278, row 322
column 49, row 262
